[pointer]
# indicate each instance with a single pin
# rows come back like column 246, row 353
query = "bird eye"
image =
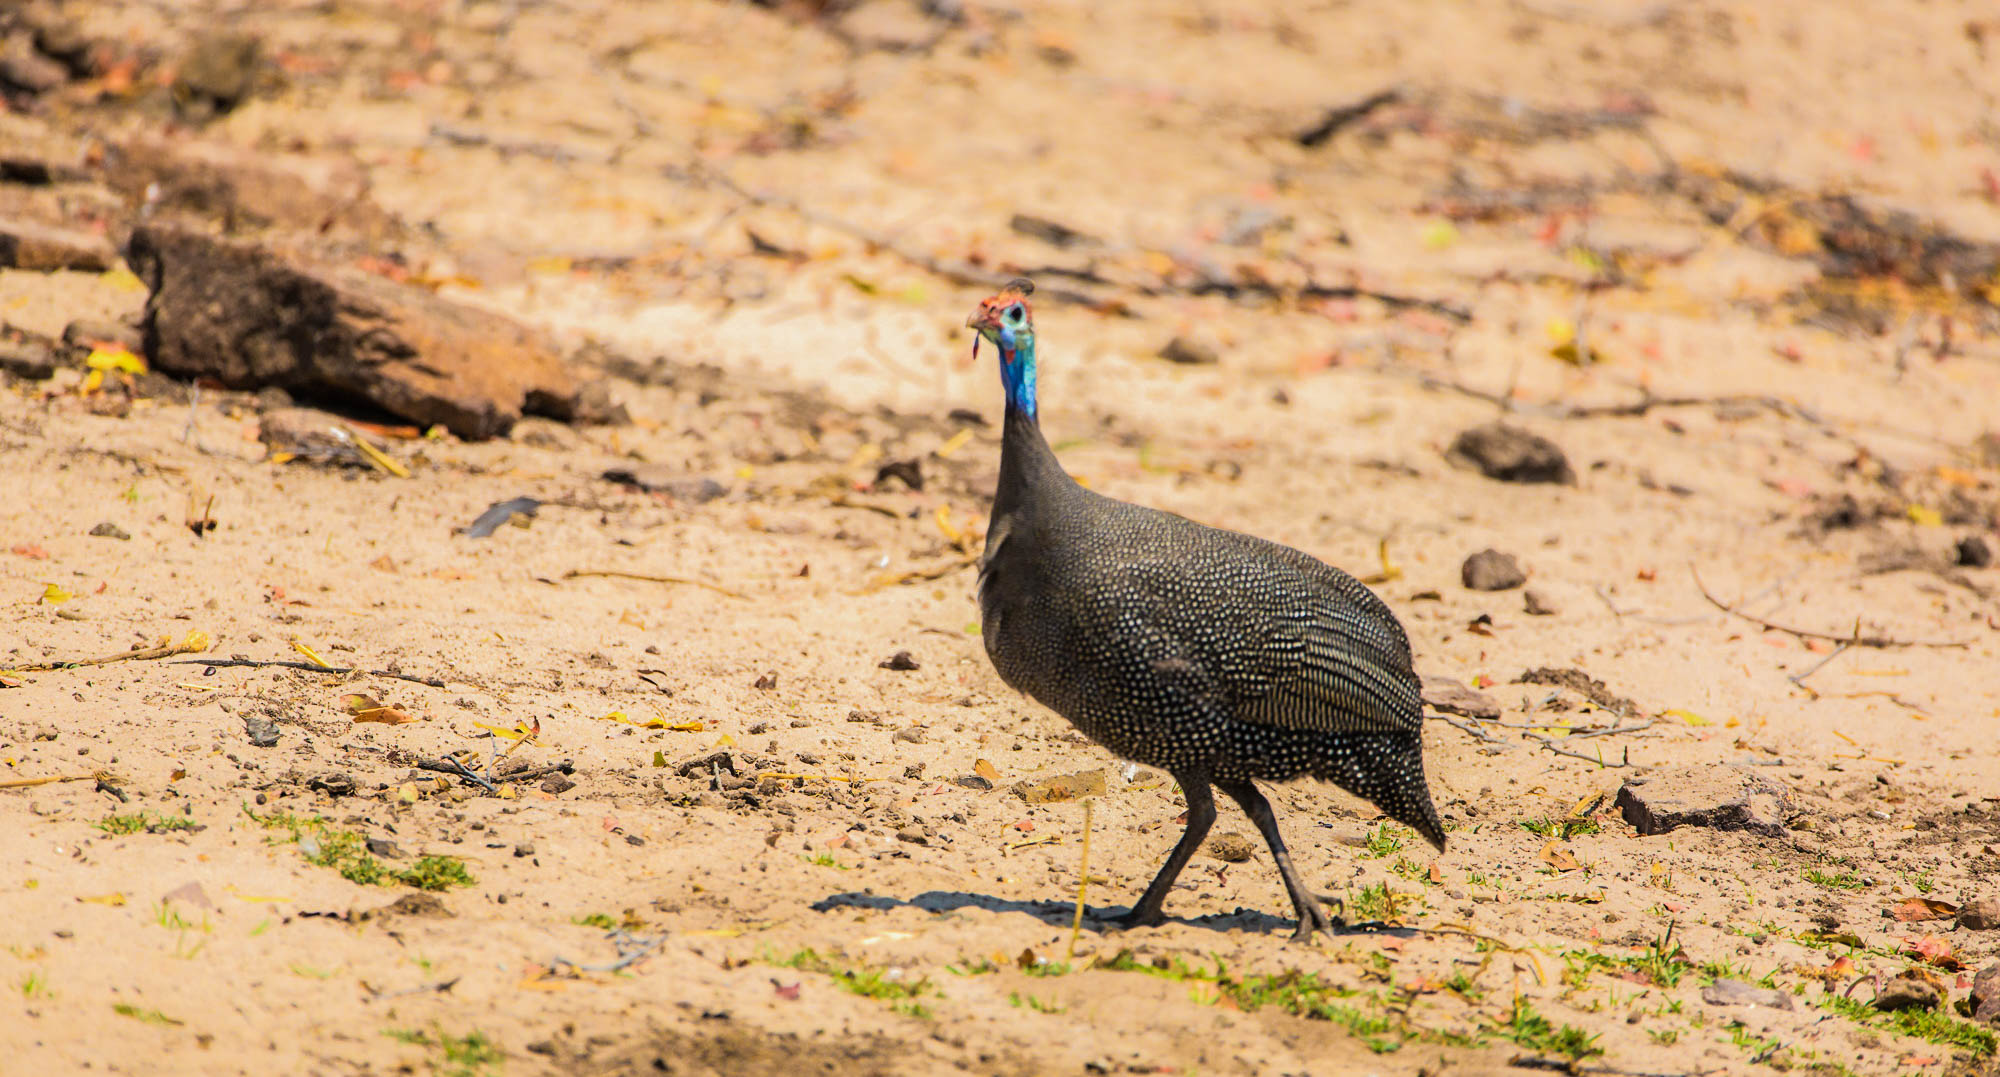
column 1014, row 313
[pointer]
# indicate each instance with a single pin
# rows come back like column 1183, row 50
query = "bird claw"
column 1312, row 918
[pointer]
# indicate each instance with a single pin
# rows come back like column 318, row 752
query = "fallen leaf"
column 1923, row 908
column 1689, row 717
column 986, row 770
column 1558, row 857
column 1933, row 950
column 55, row 596
column 311, row 655
column 104, row 899
column 366, row 708
column 32, row 553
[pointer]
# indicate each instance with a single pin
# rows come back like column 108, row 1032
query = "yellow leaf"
column 1925, row 517
column 55, row 596
column 367, row 708
column 516, row 732
column 986, row 770
column 311, row 655
column 550, row 265
column 104, row 899
column 195, row 642
column 1438, row 235
column 1689, row 717
column 955, row 442
column 724, row 741
column 93, row 381
column 123, row 280
column 944, row 525
column 407, row 793
column 115, row 358
column 659, row 759
column 1558, row 857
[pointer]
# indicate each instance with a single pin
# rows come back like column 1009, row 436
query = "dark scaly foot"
column 1312, row 915
column 1200, row 816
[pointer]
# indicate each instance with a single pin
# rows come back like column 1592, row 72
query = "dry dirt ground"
column 770, row 226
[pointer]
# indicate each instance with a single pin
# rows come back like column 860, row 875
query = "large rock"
column 244, row 189
column 1981, row 913
column 250, row 317
column 1510, row 454
column 24, row 245
column 1986, row 994
column 1722, row 798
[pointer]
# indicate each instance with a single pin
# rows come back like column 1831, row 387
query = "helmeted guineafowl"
column 1217, row 657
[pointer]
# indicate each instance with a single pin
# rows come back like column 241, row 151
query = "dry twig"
column 1854, row 638
column 258, row 663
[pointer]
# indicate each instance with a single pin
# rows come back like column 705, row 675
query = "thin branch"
column 1473, row 730
column 258, row 663
column 613, row 573
column 1800, row 678
column 1854, row 638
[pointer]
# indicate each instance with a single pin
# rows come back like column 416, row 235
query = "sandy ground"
column 844, row 903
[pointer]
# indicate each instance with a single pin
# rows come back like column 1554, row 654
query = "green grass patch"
column 151, row 1017
column 1560, row 829
column 598, row 920
column 1662, row 963
column 1843, row 880
column 825, row 860
column 147, row 821
column 1535, row 1033
column 886, row 985
column 346, row 851
column 1377, row 902
column 1934, row 1026
column 35, row 985
column 1030, row 1002
column 470, row 1055
column 1383, row 840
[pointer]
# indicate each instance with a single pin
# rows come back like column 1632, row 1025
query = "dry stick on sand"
column 257, row 663
column 1854, row 638
column 24, row 783
column 164, row 650
column 616, row 574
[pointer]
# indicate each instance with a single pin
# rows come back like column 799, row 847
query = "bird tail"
column 1389, row 772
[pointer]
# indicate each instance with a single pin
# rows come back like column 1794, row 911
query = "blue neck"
column 1017, row 371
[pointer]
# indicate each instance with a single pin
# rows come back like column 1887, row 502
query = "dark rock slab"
column 1189, row 351
column 1721, row 798
column 1981, row 913
column 28, row 355
column 251, row 317
column 45, row 249
column 1510, row 454
column 245, row 189
column 1491, row 570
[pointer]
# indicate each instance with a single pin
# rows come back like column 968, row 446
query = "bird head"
column 1005, row 318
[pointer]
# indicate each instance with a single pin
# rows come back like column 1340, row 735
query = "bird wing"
column 1334, row 669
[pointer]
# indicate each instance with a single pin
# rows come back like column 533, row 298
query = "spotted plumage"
column 1220, row 658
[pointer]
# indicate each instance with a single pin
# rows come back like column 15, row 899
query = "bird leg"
column 1200, row 816
column 1312, row 916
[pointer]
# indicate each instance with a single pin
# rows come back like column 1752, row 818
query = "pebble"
column 913, row 734
column 1491, row 570
column 1738, row 993
column 901, row 660
column 1537, row 604
column 1909, row 994
column 1231, row 847
column 109, row 530
column 1510, row 454
column 263, row 731
column 524, row 850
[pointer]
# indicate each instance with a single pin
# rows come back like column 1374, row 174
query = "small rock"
column 1510, row 454
column 1453, row 697
column 418, row 904
column 1089, row 783
column 26, row 69
column 1231, row 847
column 557, row 783
column 1913, row 993
column 1738, row 993
column 335, row 784
column 707, row 765
column 45, row 250
column 1981, row 913
column 973, row 781
column 217, row 74
column 88, row 333
column 634, row 840
column 191, row 894
column 1985, row 997
column 914, row 835
column 385, row 848
column 913, row 734
column 908, row 472
column 27, row 356
column 1537, row 604
column 1723, row 798
column 901, row 660
column 765, row 682
column 524, row 850
column 675, row 483
column 263, row 731
column 1973, row 552
column 1582, row 684
column 109, row 530
column 1491, row 570
column 1189, row 352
